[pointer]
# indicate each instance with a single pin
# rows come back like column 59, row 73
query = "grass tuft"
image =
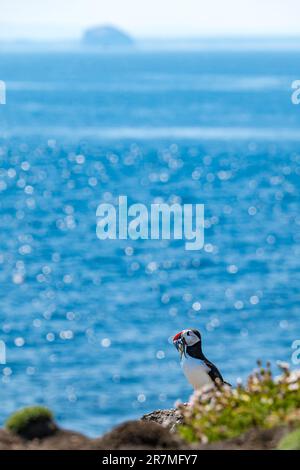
column 21, row 420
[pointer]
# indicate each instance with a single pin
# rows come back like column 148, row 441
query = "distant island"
column 107, row 36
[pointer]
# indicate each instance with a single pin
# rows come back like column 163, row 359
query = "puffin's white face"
column 190, row 337
column 186, row 338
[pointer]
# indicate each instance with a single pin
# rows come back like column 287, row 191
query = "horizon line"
column 137, row 37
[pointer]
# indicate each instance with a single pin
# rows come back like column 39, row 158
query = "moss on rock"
column 32, row 422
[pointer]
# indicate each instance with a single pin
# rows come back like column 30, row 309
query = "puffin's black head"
column 185, row 339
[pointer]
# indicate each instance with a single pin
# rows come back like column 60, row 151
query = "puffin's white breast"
column 196, row 372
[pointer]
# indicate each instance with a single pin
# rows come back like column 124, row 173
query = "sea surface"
column 87, row 323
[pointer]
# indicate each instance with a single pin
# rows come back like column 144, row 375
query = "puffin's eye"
column 188, row 333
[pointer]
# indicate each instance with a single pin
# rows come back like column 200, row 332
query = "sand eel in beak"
column 198, row 370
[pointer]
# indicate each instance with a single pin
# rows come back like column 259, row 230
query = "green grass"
column 224, row 412
column 20, row 420
column 291, row 441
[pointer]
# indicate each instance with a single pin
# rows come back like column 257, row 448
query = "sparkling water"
column 87, row 323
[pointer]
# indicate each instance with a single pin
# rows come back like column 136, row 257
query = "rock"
column 254, row 439
column 138, row 435
column 40, row 428
column 61, row 440
column 10, row 441
column 107, row 36
column 167, row 418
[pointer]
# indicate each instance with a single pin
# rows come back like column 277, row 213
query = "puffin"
column 199, row 371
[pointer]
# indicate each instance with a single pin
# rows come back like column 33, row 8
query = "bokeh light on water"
column 87, row 323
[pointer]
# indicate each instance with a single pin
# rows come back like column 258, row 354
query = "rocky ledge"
column 156, row 430
column 209, row 421
column 169, row 419
column 130, row 435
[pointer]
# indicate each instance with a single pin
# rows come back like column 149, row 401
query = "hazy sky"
column 64, row 18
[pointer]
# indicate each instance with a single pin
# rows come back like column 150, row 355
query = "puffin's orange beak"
column 177, row 337
column 179, row 343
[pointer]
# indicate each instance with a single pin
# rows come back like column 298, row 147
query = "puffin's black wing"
column 214, row 373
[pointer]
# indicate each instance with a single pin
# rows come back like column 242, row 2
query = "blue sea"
column 87, row 323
